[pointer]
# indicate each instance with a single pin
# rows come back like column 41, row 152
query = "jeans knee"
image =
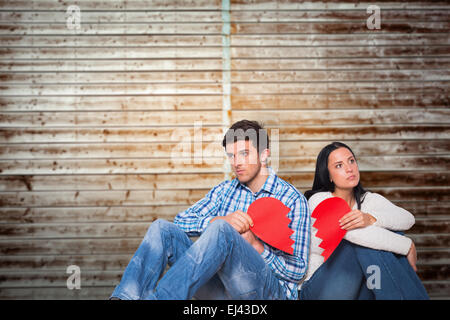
column 158, row 226
column 219, row 225
column 219, row 229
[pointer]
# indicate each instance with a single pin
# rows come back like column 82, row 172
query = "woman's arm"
column 380, row 239
column 387, row 214
column 371, row 236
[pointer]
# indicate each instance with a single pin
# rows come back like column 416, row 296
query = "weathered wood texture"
column 100, row 126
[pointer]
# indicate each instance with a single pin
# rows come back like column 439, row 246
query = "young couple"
column 228, row 261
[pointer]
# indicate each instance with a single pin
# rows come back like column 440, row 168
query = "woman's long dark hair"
column 322, row 181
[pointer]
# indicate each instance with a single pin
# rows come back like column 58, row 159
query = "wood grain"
column 97, row 125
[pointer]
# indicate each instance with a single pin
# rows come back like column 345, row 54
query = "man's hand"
column 239, row 220
column 251, row 238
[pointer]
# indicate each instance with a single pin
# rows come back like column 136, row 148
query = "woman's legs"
column 351, row 268
column 396, row 278
column 339, row 278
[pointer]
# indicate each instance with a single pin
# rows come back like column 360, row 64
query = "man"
column 227, row 261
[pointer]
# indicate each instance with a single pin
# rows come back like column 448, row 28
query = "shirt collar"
column 268, row 186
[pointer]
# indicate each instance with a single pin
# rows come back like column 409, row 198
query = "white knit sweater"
column 377, row 236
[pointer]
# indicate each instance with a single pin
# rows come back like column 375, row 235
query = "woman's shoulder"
column 317, row 198
column 372, row 197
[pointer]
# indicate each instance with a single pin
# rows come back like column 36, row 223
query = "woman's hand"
column 356, row 219
column 239, row 220
column 412, row 256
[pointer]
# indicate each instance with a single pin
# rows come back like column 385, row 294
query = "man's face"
column 244, row 160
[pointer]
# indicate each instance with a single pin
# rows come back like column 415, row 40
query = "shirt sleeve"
column 292, row 267
column 195, row 219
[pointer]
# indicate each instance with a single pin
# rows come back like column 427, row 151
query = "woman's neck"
column 347, row 195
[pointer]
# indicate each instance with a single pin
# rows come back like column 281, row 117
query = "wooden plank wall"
column 91, row 119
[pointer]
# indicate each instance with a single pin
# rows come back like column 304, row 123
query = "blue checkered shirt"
column 230, row 196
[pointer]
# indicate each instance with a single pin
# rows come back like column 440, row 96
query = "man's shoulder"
column 285, row 187
column 224, row 185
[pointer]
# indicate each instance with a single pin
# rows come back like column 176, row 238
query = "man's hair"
column 249, row 131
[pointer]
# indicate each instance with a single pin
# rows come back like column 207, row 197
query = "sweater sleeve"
column 388, row 215
column 380, row 239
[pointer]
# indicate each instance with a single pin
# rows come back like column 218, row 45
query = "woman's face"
column 343, row 169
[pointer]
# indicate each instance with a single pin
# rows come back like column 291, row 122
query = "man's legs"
column 164, row 243
column 223, row 251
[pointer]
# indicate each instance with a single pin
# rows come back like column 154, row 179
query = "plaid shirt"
column 230, row 196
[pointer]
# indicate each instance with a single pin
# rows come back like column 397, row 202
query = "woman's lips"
column 352, row 177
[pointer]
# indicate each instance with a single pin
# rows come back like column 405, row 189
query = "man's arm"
column 195, row 219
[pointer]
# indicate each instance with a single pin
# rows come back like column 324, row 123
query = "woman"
column 372, row 261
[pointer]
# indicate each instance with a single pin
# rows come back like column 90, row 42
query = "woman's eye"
column 338, row 166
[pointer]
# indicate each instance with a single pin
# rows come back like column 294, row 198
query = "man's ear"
column 264, row 156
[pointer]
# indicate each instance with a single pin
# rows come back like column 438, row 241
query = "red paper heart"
column 271, row 224
column 327, row 215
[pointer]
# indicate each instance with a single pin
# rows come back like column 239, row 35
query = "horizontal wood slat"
column 243, row 102
column 263, row 40
column 327, row 133
column 178, row 164
column 111, row 278
column 165, row 118
column 40, row 53
column 171, row 197
column 129, row 245
column 215, row 64
column 241, row 76
column 123, row 230
column 208, row 149
column 14, row 215
column 134, row 17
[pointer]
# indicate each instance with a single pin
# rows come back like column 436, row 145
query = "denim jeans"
column 348, row 271
column 221, row 264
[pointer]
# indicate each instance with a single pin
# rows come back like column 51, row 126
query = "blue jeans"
column 348, row 271
column 219, row 265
